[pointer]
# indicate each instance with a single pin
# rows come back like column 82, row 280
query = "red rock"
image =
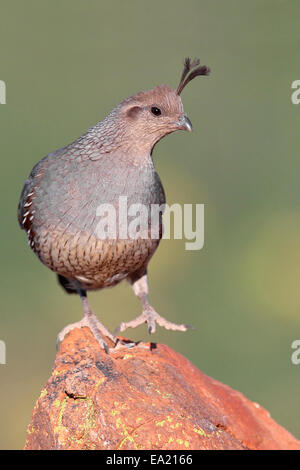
column 143, row 399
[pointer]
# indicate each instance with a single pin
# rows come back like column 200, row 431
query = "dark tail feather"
column 66, row 284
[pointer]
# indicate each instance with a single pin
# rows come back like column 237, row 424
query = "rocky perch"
column 145, row 397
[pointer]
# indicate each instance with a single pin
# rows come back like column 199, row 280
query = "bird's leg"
column 149, row 315
column 89, row 319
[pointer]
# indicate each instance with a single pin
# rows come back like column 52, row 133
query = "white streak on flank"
column 84, row 279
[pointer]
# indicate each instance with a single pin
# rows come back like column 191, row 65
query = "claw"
column 191, row 327
column 57, row 345
column 105, row 347
column 117, row 330
column 124, row 345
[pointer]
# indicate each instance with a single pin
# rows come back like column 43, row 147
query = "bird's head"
column 150, row 115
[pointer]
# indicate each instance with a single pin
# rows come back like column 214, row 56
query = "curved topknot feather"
column 190, row 71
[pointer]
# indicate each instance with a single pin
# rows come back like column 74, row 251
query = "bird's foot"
column 97, row 328
column 63, row 333
column 151, row 317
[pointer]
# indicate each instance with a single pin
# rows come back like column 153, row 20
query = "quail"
column 113, row 159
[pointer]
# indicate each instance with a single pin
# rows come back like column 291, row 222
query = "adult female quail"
column 60, row 199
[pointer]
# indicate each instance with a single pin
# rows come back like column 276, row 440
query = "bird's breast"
column 73, row 197
column 87, row 220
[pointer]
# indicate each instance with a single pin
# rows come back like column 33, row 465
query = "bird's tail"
column 66, row 284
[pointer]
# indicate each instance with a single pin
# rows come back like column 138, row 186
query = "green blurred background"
column 66, row 64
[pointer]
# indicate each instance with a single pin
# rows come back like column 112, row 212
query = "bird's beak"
column 184, row 123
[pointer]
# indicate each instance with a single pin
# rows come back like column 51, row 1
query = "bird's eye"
column 156, row 111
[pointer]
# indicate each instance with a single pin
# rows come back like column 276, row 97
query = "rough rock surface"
column 146, row 397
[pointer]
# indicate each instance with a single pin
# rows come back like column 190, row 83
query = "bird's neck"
column 112, row 137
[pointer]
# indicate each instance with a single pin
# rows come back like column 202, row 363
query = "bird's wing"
column 25, row 202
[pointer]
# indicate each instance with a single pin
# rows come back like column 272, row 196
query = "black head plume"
column 190, row 71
